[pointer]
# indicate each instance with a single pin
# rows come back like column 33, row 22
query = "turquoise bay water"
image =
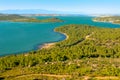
column 18, row 37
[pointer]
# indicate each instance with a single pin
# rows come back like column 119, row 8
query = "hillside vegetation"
column 111, row 19
column 89, row 53
column 19, row 18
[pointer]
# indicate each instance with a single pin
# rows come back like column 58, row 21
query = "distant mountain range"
column 35, row 11
column 42, row 12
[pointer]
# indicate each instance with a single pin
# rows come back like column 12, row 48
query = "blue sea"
column 20, row 37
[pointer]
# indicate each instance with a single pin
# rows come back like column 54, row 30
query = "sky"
column 78, row 6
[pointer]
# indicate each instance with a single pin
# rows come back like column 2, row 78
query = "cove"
column 20, row 37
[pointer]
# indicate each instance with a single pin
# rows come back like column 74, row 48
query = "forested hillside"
column 88, row 53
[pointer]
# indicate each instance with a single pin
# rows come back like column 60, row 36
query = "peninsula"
column 89, row 52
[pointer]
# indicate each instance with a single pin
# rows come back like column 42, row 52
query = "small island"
column 111, row 19
column 19, row 18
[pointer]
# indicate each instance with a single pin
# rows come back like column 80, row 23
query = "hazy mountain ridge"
column 34, row 11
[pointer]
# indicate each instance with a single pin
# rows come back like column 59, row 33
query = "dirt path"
column 67, row 76
column 50, row 45
column 102, row 78
column 108, row 77
column 48, row 75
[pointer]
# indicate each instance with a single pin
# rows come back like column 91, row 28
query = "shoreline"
column 50, row 45
column 105, row 22
column 46, row 45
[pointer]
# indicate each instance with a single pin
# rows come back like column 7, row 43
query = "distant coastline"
column 21, row 18
column 110, row 19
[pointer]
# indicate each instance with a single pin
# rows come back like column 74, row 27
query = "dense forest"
column 111, row 19
column 19, row 18
column 89, row 53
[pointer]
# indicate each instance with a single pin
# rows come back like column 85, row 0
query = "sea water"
column 20, row 37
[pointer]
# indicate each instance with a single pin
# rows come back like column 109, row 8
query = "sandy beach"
column 47, row 45
column 50, row 45
column 66, row 36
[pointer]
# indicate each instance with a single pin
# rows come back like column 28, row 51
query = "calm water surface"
column 18, row 37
